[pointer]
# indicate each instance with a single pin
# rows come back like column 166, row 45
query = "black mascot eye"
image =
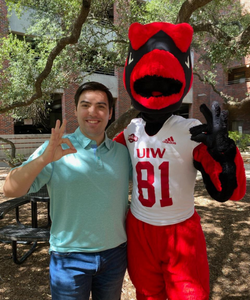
column 130, row 59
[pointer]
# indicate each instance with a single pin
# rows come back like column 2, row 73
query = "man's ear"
column 75, row 112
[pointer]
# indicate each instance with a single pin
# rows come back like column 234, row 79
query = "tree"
column 83, row 31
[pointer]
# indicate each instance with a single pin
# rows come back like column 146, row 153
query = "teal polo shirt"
column 88, row 195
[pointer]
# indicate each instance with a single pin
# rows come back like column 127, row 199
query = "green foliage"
column 241, row 140
column 228, row 17
column 160, row 11
column 23, row 59
column 19, row 75
column 102, row 44
column 21, row 63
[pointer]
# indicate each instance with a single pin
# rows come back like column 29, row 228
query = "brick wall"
column 203, row 93
column 6, row 125
column 123, row 100
column 68, row 108
column 3, row 19
column 237, row 91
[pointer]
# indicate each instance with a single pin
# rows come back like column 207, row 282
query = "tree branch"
column 187, row 8
column 243, row 39
column 213, row 30
column 239, row 104
column 122, row 122
column 12, row 145
column 226, row 98
column 62, row 43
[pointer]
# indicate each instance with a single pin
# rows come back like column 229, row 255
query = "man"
column 87, row 176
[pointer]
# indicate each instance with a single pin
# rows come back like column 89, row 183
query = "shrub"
column 242, row 140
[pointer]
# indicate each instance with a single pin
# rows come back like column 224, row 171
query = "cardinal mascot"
column 167, row 256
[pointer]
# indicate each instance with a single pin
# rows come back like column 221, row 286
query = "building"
column 235, row 82
column 27, row 137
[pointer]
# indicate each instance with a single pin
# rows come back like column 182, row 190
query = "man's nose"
column 92, row 110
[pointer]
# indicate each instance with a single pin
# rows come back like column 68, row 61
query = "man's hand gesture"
column 20, row 179
column 54, row 150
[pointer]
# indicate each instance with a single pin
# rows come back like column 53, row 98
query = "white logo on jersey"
column 150, row 152
column 132, row 138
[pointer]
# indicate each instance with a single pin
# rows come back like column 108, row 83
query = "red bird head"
column 158, row 72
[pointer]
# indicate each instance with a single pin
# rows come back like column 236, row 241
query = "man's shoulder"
column 120, row 148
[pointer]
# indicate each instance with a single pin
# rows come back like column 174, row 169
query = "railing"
column 25, row 144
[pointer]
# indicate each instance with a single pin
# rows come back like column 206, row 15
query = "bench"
column 16, row 233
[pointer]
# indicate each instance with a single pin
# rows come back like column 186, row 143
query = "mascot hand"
column 214, row 134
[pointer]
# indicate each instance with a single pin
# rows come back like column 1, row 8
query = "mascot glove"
column 214, row 134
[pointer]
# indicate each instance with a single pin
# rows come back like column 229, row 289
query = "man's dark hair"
column 94, row 86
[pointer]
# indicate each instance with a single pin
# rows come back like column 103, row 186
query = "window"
column 45, row 123
column 237, row 125
column 237, row 76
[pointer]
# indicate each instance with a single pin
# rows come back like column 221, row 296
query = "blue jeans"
column 74, row 274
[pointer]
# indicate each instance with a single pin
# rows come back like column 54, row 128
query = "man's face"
column 93, row 114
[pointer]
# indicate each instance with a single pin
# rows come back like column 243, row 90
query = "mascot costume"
column 166, row 246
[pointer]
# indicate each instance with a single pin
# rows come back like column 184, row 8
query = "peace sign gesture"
column 214, row 134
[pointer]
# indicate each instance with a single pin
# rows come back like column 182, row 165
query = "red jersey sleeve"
column 225, row 178
column 120, row 139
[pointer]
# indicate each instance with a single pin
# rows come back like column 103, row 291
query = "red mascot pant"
column 168, row 262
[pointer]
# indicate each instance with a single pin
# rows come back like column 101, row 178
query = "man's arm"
column 19, row 180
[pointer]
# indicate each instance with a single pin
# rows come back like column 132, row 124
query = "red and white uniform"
column 166, row 245
column 167, row 256
column 164, row 175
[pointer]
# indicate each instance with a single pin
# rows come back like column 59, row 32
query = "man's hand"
column 214, row 134
column 54, row 150
column 20, row 179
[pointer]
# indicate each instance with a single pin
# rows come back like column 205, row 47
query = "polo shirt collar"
column 84, row 141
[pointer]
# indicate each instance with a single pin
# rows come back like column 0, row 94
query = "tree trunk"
column 122, row 122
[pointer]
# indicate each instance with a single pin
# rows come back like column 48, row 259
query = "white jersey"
column 163, row 171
